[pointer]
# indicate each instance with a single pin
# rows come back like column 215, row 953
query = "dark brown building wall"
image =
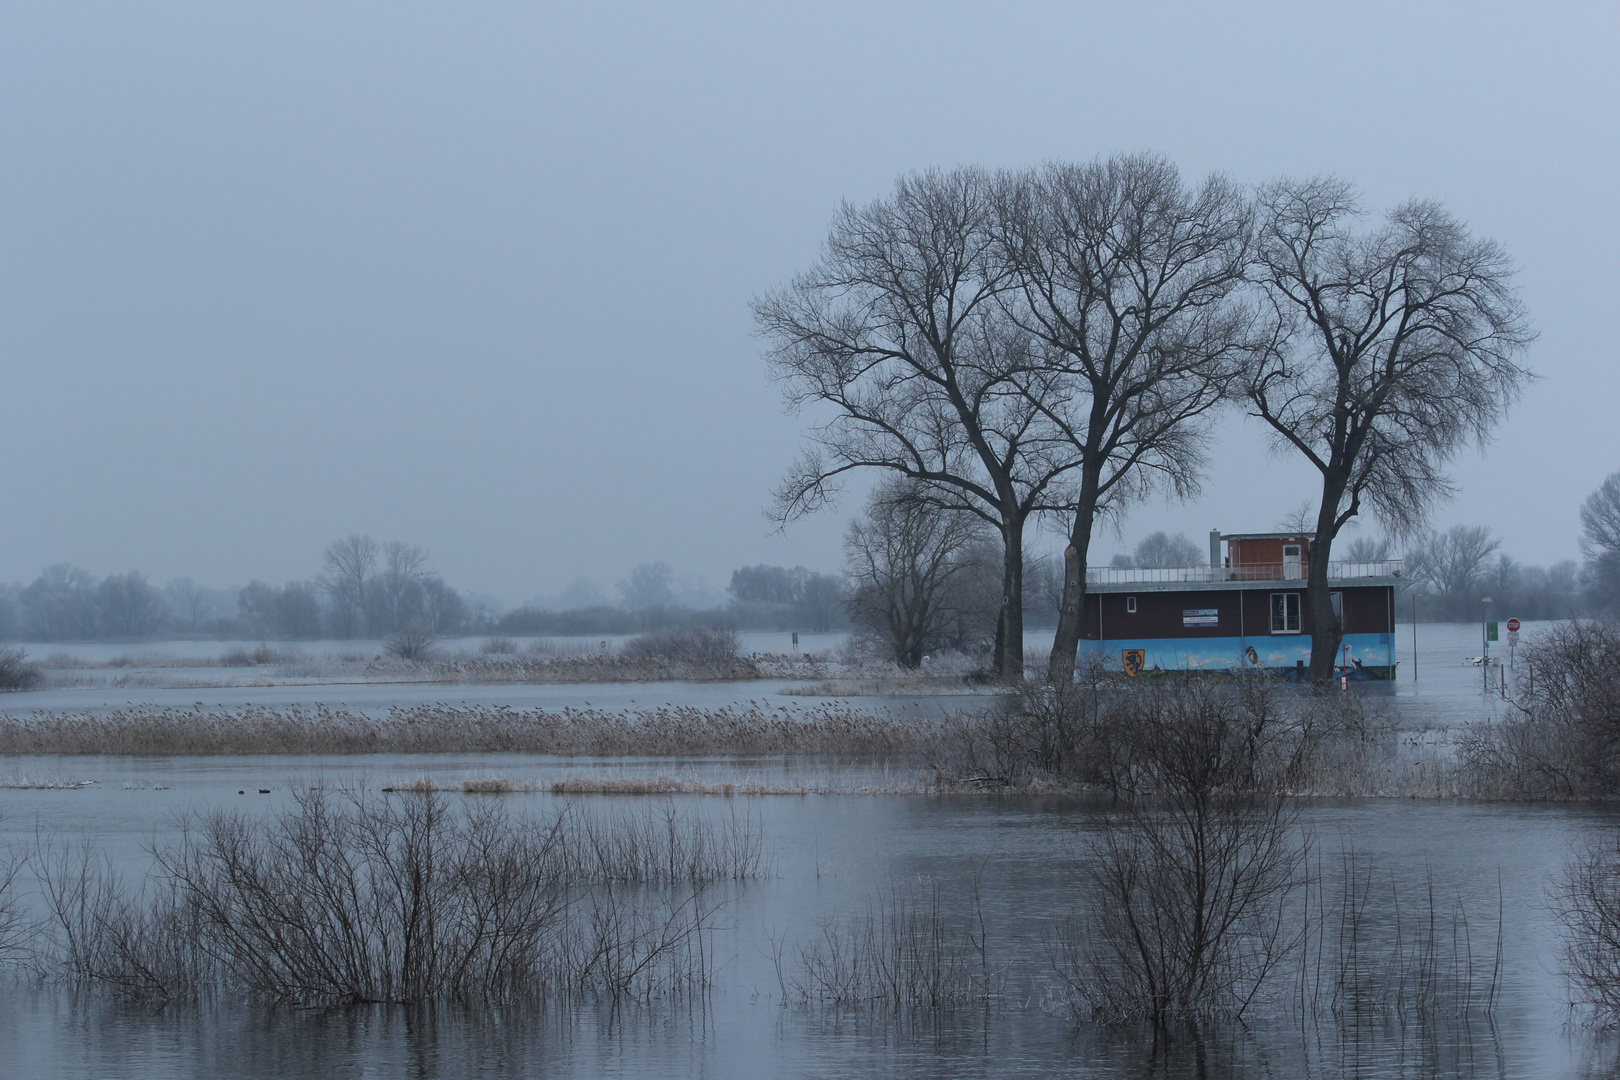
column 1368, row 609
column 1159, row 614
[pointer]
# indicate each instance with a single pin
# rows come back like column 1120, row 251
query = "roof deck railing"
column 1151, row 575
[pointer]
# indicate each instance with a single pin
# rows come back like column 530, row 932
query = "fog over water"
column 479, row 277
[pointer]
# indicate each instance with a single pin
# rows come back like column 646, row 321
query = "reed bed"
column 39, row 783
column 614, row 667
column 903, row 953
column 1368, row 951
column 1046, row 741
column 749, row 730
column 661, row 784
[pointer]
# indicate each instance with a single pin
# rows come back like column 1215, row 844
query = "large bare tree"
column 1127, row 278
column 896, row 333
column 1600, row 542
column 918, row 572
column 349, row 563
column 1394, row 348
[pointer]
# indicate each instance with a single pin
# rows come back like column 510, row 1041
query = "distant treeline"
column 371, row 590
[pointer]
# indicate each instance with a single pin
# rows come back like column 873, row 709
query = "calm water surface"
column 831, row 856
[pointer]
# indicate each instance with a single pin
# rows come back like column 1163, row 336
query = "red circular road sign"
column 1513, row 626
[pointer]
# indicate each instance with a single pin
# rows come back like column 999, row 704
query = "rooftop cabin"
column 1249, row 557
column 1244, row 609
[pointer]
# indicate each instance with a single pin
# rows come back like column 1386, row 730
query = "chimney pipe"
column 1215, row 554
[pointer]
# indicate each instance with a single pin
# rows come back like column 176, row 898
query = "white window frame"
column 1285, row 597
column 1130, row 605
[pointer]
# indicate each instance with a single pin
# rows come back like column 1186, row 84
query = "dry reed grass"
column 902, row 954
column 28, row 783
column 668, row 731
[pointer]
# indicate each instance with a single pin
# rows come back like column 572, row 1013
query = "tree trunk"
column 1071, row 612
column 1326, row 630
column 1009, row 658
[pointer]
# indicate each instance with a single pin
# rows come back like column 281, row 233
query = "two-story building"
column 1244, row 610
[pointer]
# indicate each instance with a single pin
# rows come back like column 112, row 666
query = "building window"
column 1130, row 605
column 1285, row 613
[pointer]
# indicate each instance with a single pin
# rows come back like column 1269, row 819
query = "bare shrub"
column 14, row 924
column 1104, row 736
column 1562, row 739
column 690, row 644
column 260, row 655
column 16, row 673
column 1067, row 734
column 349, row 898
column 140, row 942
column 412, row 643
column 1192, row 877
column 1585, row 901
column 498, row 646
column 903, row 952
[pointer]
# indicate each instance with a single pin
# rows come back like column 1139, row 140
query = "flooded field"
column 1015, row 866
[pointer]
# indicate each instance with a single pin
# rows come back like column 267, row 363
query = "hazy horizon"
column 478, row 278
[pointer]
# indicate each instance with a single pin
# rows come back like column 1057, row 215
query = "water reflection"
column 832, row 854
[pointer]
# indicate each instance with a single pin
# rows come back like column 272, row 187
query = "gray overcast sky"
column 477, row 276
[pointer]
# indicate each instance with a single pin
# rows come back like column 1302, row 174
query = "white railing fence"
column 1148, row 575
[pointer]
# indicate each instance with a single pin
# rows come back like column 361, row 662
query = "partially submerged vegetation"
column 345, row 898
column 747, row 730
column 16, row 672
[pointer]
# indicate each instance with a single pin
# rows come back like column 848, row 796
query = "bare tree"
column 1453, row 565
column 189, row 601
column 1600, row 543
column 60, row 605
column 648, row 587
column 1365, row 549
column 1299, row 520
column 349, row 563
column 396, row 592
column 897, row 329
column 1126, row 278
column 1394, row 348
column 129, row 606
column 919, row 580
column 1162, row 549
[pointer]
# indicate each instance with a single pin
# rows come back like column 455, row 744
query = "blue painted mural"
column 1362, row 656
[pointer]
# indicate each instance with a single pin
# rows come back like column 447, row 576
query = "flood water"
column 831, row 855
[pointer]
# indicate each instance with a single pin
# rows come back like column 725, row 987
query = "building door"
column 1291, row 570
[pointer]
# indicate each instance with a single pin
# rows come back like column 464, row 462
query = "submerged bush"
column 349, row 898
column 412, row 643
column 1585, row 900
column 1192, row 874
column 16, row 673
column 1562, row 736
column 690, row 644
column 1108, row 736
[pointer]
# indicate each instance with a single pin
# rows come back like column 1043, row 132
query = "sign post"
column 1513, row 639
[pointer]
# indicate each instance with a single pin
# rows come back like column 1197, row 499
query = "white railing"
column 1152, row 575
